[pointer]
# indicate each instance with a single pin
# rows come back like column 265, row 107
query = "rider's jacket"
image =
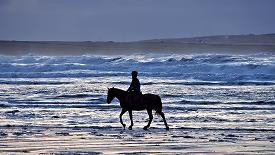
column 135, row 86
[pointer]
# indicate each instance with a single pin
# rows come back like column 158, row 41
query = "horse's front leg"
column 149, row 111
column 131, row 118
column 120, row 117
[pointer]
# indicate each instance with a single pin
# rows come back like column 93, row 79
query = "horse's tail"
column 158, row 107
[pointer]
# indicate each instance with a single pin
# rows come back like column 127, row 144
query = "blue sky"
column 127, row 20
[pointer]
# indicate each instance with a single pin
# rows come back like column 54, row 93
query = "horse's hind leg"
column 164, row 120
column 149, row 111
column 120, row 117
column 131, row 118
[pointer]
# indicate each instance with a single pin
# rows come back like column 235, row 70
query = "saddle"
column 134, row 99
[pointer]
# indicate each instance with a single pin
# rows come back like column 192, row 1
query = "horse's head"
column 110, row 95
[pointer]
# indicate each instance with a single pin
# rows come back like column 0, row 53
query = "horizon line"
column 149, row 39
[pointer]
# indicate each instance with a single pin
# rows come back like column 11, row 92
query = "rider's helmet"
column 134, row 73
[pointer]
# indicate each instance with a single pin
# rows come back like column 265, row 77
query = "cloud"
column 132, row 20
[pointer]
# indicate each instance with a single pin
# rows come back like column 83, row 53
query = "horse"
column 129, row 103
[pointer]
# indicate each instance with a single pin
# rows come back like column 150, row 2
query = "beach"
column 213, row 103
column 205, row 68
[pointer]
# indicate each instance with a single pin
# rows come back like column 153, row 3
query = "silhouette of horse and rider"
column 133, row 99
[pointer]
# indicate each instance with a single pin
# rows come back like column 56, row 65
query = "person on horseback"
column 133, row 99
column 134, row 88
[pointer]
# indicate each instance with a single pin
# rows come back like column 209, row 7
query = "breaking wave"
column 210, row 67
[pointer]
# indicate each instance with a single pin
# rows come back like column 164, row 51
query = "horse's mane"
column 118, row 90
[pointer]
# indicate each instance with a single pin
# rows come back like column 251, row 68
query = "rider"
column 134, row 88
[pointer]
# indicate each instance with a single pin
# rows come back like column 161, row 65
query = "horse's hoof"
column 130, row 128
column 145, row 128
column 167, row 128
column 124, row 125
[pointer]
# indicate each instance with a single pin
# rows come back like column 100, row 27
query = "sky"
column 130, row 20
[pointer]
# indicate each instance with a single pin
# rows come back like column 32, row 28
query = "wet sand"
column 96, row 130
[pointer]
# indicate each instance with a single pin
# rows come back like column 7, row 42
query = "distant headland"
column 236, row 44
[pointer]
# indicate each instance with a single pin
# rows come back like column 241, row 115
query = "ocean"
column 206, row 97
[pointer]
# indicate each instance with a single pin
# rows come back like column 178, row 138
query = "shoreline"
column 234, row 44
